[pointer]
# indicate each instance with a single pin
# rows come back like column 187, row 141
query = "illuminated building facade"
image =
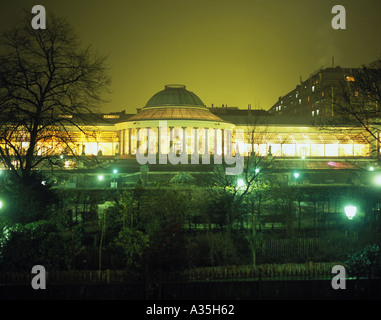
column 176, row 120
column 176, row 111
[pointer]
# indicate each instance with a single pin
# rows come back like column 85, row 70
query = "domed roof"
column 174, row 95
column 175, row 103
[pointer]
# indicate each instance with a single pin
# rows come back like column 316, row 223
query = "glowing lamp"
column 240, row 183
column 377, row 180
column 350, row 211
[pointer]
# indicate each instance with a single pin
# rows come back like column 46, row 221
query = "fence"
column 300, row 246
column 309, row 269
column 108, row 276
column 72, row 277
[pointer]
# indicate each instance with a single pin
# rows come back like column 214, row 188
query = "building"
column 315, row 97
column 186, row 119
column 176, row 121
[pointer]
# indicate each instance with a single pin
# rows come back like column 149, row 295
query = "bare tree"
column 356, row 102
column 47, row 83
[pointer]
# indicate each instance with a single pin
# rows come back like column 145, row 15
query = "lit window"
column 350, row 78
column 300, row 101
column 111, row 116
column 322, row 93
column 66, row 116
column 317, row 112
column 313, row 113
column 332, row 150
column 313, row 88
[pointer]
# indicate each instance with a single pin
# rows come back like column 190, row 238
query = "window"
column 313, row 88
column 332, row 150
column 313, row 113
column 317, row 112
column 111, row 116
column 350, row 78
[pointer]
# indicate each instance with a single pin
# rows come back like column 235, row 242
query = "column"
column 223, row 142
column 217, row 158
column 124, row 142
column 148, row 144
column 206, row 154
column 129, row 141
column 195, row 156
column 184, row 140
column 162, row 155
column 170, row 138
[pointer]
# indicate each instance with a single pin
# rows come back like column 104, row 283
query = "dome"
column 175, row 103
column 174, row 95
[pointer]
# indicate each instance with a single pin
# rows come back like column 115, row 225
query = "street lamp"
column 240, row 183
column 377, row 180
column 296, row 175
column 100, row 177
column 350, row 211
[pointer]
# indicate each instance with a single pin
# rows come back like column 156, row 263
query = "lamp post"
column 114, row 183
column 350, row 212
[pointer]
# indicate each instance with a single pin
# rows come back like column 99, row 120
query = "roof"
column 175, row 113
column 175, row 103
column 174, row 95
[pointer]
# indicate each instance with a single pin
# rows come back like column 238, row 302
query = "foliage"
column 283, row 198
column 27, row 200
column 365, row 262
column 211, row 249
column 183, row 178
column 23, row 246
column 151, row 232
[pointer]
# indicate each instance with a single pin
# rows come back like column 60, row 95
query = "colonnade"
column 164, row 139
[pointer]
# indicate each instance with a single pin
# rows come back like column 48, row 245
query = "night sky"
column 227, row 52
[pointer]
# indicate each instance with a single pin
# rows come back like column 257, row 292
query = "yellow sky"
column 227, row 52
